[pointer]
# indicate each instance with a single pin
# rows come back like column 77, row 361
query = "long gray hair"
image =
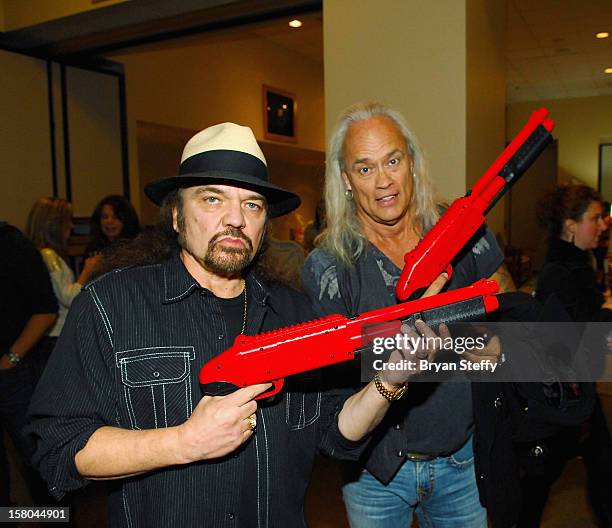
column 344, row 237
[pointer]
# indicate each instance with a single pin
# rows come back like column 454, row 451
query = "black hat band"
column 224, row 161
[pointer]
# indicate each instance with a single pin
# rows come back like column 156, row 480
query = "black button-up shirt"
column 129, row 357
column 435, row 419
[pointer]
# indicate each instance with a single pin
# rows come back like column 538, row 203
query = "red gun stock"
column 463, row 218
column 272, row 356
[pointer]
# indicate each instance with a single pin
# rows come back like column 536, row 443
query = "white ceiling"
column 552, row 52
column 551, row 49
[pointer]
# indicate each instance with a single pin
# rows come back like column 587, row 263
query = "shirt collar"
column 179, row 284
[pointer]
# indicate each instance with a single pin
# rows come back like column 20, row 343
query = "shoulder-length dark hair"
column 123, row 210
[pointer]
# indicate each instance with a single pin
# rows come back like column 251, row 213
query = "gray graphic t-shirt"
column 438, row 417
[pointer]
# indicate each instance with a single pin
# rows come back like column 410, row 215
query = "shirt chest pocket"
column 303, row 400
column 156, row 385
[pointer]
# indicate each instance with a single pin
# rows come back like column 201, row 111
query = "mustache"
column 234, row 233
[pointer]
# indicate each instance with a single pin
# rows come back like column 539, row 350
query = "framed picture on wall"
column 279, row 109
column 605, row 171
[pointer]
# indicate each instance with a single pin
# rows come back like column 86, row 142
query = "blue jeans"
column 442, row 492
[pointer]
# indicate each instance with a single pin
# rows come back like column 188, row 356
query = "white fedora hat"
column 226, row 154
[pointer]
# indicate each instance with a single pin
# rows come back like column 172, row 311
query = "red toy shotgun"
column 463, row 218
column 272, row 356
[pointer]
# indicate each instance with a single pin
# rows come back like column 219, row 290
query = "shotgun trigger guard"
column 277, row 385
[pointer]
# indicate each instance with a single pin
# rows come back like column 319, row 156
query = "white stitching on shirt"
column 128, row 402
column 316, row 415
column 126, row 506
column 263, row 423
column 302, row 421
column 302, row 417
column 179, row 295
column 189, row 397
column 97, row 298
column 96, row 301
column 258, row 490
column 155, row 407
column 159, row 381
column 165, row 410
column 185, row 352
column 167, row 351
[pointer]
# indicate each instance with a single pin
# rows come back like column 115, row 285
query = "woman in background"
column 114, row 218
column 573, row 215
column 49, row 225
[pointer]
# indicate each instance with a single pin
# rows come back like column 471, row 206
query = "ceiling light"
column 608, row 70
column 602, row 34
column 295, row 23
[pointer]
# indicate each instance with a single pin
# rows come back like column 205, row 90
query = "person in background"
column 601, row 251
column 28, row 309
column 48, row 227
column 285, row 258
column 573, row 215
column 113, row 219
column 315, row 228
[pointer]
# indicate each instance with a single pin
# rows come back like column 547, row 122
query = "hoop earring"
column 348, row 194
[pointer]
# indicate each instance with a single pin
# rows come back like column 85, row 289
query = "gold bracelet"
column 389, row 395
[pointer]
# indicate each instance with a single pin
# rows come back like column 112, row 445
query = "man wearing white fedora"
column 120, row 396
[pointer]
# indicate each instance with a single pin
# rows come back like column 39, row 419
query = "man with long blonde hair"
column 379, row 204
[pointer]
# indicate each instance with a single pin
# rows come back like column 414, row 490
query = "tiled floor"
column 567, row 507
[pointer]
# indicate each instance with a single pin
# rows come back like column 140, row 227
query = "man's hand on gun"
column 220, row 424
column 397, row 376
column 428, row 345
column 400, row 376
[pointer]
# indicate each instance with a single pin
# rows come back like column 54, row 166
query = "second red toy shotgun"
column 272, row 356
column 463, row 218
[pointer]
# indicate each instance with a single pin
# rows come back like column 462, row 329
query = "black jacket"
column 568, row 273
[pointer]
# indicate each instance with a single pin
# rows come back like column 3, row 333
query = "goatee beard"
column 224, row 260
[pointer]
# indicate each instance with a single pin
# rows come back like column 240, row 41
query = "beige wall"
column 412, row 57
column 25, row 138
column 25, row 146
column 95, row 142
column 198, row 85
column 486, row 95
column 17, row 14
column 581, row 125
column 215, row 79
column 440, row 63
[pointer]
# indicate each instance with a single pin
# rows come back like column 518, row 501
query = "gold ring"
column 253, row 421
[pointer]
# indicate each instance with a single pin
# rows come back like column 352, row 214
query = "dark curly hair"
column 124, row 211
column 563, row 203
